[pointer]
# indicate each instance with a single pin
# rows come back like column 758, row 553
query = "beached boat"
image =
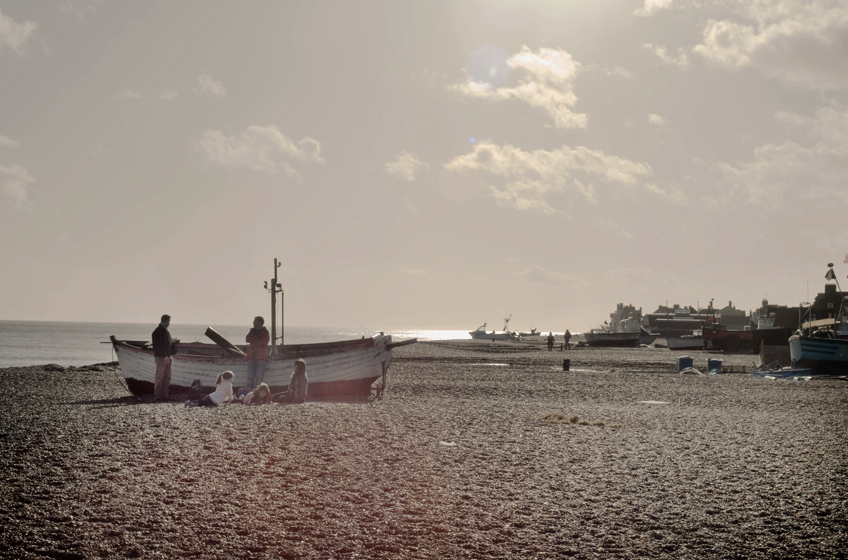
column 821, row 346
column 719, row 337
column 480, row 332
column 532, row 332
column 623, row 330
column 693, row 341
column 346, row 368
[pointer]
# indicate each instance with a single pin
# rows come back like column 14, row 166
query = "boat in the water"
column 480, row 333
column 532, row 332
column 335, row 369
column 623, row 330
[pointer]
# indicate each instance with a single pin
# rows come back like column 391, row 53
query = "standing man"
column 567, row 339
column 163, row 348
column 257, row 352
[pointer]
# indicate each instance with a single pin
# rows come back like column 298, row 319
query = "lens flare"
column 488, row 65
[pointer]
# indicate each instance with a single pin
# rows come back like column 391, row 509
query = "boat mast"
column 276, row 288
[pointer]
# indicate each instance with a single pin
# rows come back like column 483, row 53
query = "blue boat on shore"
column 822, row 354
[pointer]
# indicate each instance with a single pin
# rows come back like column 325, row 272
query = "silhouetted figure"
column 550, row 342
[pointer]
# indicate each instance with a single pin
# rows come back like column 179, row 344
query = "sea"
column 32, row 343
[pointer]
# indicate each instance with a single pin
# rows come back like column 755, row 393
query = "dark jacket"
column 163, row 344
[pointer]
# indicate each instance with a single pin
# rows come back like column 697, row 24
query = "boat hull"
column 824, row 356
column 347, row 368
column 613, row 340
column 685, row 343
column 478, row 335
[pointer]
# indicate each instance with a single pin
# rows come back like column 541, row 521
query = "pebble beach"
column 475, row 450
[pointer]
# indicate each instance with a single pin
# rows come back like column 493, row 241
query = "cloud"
column 148, row 94
column 13, row 34
column 817, row 168
column 15, row 182
column 682, row 60
column 526, row 178
column 611, row 227
column 260, row 148
column 637, row 277
column 545, row 81
column 7, row 142
column 798, row 41
column 656, row 120
column 535, row 274
column 406, row 165
column 653, row 6
column 206, row 84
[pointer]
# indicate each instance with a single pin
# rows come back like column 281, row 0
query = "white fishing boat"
column 345, row 368
column 480, row 332
column 694, row 341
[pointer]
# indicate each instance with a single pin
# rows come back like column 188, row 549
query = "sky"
column 423, row 164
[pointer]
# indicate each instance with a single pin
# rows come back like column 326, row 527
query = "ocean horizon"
column 31, row 343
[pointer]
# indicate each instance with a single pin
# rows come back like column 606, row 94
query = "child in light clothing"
column 223, row 391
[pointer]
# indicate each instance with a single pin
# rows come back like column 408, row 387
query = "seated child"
column 298, row 384
column 223, row 391
column 260, row 395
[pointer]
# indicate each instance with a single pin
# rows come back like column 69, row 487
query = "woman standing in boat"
column 257, row 352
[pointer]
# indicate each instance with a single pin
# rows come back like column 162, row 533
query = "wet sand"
column 476, row 450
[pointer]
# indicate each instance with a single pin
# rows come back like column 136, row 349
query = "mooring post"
column 566, row 364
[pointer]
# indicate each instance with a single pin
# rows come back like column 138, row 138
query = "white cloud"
column 656, row 120
column 406, row 165
column 6, row 142
column 682, row 60
column 782, row 38
column 545, row 81
column 15, row 182
column 258, row 147
column 539, row 275
column 207, row 84
column 13, row 34
column 816, row 169
column 653, row 6
column 526, row 178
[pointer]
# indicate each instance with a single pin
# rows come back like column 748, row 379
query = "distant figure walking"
column 163, row 348
column 550, row 342
column 298, row 385
column 257, row 352
column 567, row 339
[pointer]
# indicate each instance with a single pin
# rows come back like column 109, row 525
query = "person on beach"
column 223, row 391
column 257, row 352
column 163, row 348
column 550, row 342
column 567, row 337
column 260, row 395
column 298, row 385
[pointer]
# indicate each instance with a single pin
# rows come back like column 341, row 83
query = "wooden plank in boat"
column 223, row 342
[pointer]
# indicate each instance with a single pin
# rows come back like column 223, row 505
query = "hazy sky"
column 431, row 164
